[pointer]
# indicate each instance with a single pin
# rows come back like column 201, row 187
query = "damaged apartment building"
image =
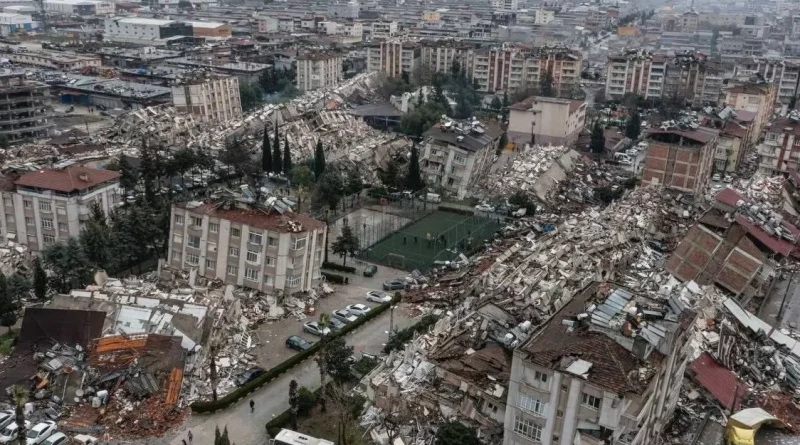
column 241, row 241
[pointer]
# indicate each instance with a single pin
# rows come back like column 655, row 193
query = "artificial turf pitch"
column 409, row 248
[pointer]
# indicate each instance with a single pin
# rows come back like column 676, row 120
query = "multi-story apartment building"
column 53, row 59
column 438, row 56
column 599, row 371
column 681, row 160
column 758, row 98
column 24, row 114
column 210, row 99
column 638, row 72
column 784, row 73
column 505, row 5
column 456, row 155
column 46, row 206
column 694, row 79
column 779, row 152
column 381, row 29
column 246, row 245
column 318, row 69
column 393, row 57
column 545, row 120
column 511, row 67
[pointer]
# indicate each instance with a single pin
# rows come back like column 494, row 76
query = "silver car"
column 313, row 327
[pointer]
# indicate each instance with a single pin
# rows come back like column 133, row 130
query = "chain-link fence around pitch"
column 439, row 236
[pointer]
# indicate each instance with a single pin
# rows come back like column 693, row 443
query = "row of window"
column 253, row 238
column 249, row 274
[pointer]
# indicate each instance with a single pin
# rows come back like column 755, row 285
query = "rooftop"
column 526, row 104
column 70, row 179
column 259, row 218
column 470, row 138
column 702, row 135
column 143, row 21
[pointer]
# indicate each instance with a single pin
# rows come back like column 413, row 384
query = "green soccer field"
column 440, row 236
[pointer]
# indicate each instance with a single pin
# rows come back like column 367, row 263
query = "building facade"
column 139, row 30
column 54, row 60
column 44, row 207
column 393, row 57
column 456, row 156
column 247, row 246
column 11, row 23
column 545, row 120
column 681, row 160
column 321, row 69
column 211, row 30
column 24, row 114
column 637, row 72
column 780, row 150
column 79, row 7
column 215, row 99
column 758, row 98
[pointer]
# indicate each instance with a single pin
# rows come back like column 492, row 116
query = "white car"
column 6, row 417
column 716, row 177
column 484, row 208
column 377, row 296
column 344, row 316
column 56, row 439
column 358, row 309
column 40, row 432
column 727, row 179
column 9, row 433
column 313, row 327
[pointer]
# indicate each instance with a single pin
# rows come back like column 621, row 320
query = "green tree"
column 128, row 175
column 414, row 180
column 523, row 201
column 421, row 119
column 337, row 357
column 20, row 396
column 293, row 402
column 329, row 189
column 463, row 106
column 306, row 400
column 319, row 159
column 149, row 168
column 354, row 183
column 634, row 125
column 39, row 279
column 546, row 87
column 250, row 95
column 390, row 176
column 287, row 157
column 277, row 163
column 266, row 153
column 238, row 157
column 302, row 176
column 597, row 139
column 69, row 266
column 346, row 243
column 501, row 144
column 18, row 286
column 455, row 433
column 496, row 104
column 95, row 239
column 221, row 439
column 8, row 306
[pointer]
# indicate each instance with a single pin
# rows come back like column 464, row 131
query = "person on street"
column 252, row 406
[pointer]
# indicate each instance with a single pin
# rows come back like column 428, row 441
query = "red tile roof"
column 719, row 381
column 729, row 197
column 776, row 245
column 261, row 219
column 70, row 179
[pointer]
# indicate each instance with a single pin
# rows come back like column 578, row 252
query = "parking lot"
column 271, row 337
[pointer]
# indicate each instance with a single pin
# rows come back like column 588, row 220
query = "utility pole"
column 391, row 321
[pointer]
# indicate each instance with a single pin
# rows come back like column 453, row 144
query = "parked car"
column 358, row 309
column 56, row 439
column 344, row 316
column 716, row 177
column 394, row 285
column 298, row 343
column 334, row 324
column 370, row 270
column 9, row 433
column 313, row 327
column 85, row 439
column 249, row 375
column 377, row 296
column 484, row 208
column 728, row 179
column 40, row 432
column 6, row 417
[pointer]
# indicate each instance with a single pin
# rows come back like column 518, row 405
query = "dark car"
column 249, row 375
column 370, row 270
column 298, row 343
column 394, row 285
column 334, row 324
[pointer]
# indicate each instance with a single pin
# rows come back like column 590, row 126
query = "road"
column 245, row 428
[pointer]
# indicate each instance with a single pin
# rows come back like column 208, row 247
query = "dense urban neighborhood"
column 399, row 222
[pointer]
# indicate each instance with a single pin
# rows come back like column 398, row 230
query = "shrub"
column 339, row 267
column 334, row 278
column 402, row 337
column 365, row 365
column 306, row 399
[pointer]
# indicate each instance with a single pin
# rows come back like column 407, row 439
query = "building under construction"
column 23, row 113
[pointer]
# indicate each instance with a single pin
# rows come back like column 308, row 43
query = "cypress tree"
column 266, row 154
column 277, row 165
column 319, row 160
column 287, row 156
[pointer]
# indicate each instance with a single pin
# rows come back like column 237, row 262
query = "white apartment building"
column 439, row 57
column 637, row 72
column 79, row 7
column 596, row 374
column 210, row 99
column 144, row 30
column 246, row 246
column 350, row 29
column 505, row 5
column 546, row 120
column 456, row 156
column 43, row 207
column 382, row 29
column 318, row 70
column 393, row 57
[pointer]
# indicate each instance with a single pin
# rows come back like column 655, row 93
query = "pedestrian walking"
column 405, row 241
column 252, row 406
column 189, row 435
column 184, row 441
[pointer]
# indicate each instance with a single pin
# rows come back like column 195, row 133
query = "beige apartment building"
column 247, row 245
column 393, row 57
column 209, row 98
column 758, row 98
column 44, row 207
column 606, row 368
column 638, row 72
column 546, row 120
column 318, row 70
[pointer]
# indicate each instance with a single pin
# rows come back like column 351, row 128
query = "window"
column 47, row 223
column 252, row 256
column 192, row 259
column 460, row 160
column 177, row 238
column 10, row 219
column 233, row 251
column 49, row 239
column 194, row 241
column 293, row 281
column 211, row 264
column 527, row 428
column 531, row 404
column 196, row 221
column 179, row 220
column 269, row 280
column 9, row 202
column 272, row 241
column 45, row 206
column 233, row 270
column 540, row 376
column 255, row 238
column 590, row 401
column 213, row 227
column 754, row 100
column 27, row 204
column 299, row 244
column 236, row 232
column 29, row 221
column 772, row 136
column 62, row 227
column 251, row 275
column 270, row 261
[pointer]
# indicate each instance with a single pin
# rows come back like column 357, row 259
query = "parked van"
column 622, row 158
column 433, row 197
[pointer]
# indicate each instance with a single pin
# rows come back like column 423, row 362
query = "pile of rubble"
column 535, row 170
